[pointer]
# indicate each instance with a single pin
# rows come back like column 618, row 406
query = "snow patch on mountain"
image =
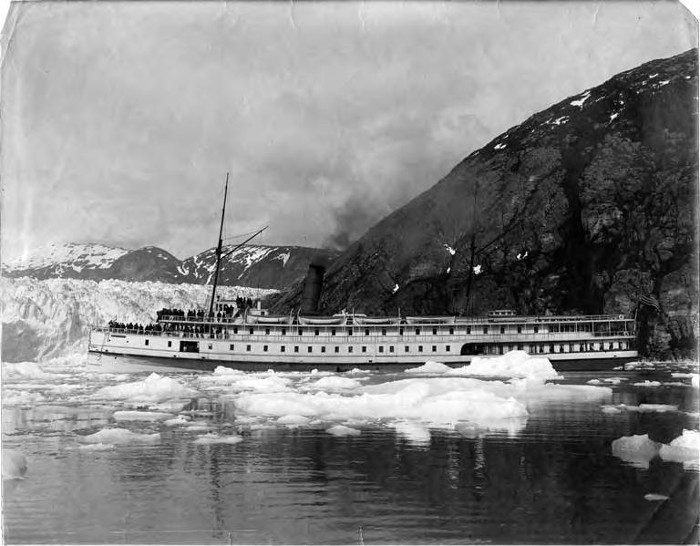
column 77, row 256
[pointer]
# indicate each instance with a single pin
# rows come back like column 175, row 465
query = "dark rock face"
column 585, row 207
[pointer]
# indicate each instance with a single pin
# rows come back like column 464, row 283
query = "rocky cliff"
column 589, row 206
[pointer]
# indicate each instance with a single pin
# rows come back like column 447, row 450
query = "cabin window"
column 447, row 348
column 210, row 346
column 350, row 349
column 381, row 348
column 452, row 330
column 434, row 331
column 391, row 348
column 364, row 348
column 337, row 349
column 316, row 331
column 170, row 343
column 551, row 347
column 332, row 331
column 417, row 331
column 520, row 329
column 435, row 348
column 520, row 346
column 366, row 331
column 247, row 347
column 383, row 331
column 486, row 329
column 146, row 342
column 503, row 329
column 405, row 349
column 500, row 349
column 283, row 349
column 537, row 329
column 284, row 331
column 469, row 329
column 561, row 348
column 323, row 348
column 265, row 348
column 420, row 348
column 230, row 347
column 349, row 331
column 400, row 331
column 250, row 331
column 309, row 349
column 267, row 331
column 301, row 331
column 235, row 329
column 296, row 348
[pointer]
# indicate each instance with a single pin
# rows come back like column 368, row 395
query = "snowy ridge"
column 77, row 256
column 52, row 317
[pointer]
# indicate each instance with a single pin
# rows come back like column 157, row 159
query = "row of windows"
column 351, row 331
column 336, row 349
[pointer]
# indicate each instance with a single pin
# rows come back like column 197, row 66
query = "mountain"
column 256, row 266
column 589, row 206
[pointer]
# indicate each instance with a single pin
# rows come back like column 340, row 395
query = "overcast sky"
column 121, row 119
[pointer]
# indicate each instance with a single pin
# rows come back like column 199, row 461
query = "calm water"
column 551, row 479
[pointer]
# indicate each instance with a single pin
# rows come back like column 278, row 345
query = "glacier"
column 51, row 318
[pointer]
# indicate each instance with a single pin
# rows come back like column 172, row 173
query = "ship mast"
column 218, row 251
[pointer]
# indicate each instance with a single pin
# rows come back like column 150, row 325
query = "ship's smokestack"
column 313, row 284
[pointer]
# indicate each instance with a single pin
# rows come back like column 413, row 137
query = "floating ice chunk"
column 11, row 397
column 499, row 146
column 477, row 269
column 97, row 447
column 685, row 448
column 23, row 370
column 638, row 450
column 593, row 381
column 615, row 380
column 655, row 497
column 141, row 416
column 414, row 432
column 611, row 410
column 396, row 288
column 293, row 420
column 653, row 407
column 198, row 426
column 644, row 408
column 212, row 438
column 341, row 430
column 119, row 436
column 449, row 249
column 683, row 374
column 647, row 383
column 179, row 420
column 222, row 370
column 154, row 388
column 614, row 115
column 695, row 381
column 512, row 364
column 14, row 464
column 335, row 383
column 431, row 367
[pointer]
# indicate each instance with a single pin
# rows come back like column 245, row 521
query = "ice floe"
column 637, row 450
column 119, row 436
column 14, row 464
column 655, row 497
column 212, row 438
column 141, row 416
column 155, row 389
column 342, row 430
column 684, row 449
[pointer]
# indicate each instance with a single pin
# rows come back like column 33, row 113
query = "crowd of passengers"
column 226, row 311
column 168, row 329
column 136, row 327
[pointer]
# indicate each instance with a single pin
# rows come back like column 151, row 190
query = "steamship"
column 239, row 335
